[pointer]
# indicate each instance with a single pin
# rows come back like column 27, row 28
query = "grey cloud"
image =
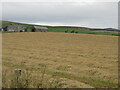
column 86, row 14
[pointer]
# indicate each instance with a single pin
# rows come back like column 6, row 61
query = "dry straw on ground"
column 81, row 60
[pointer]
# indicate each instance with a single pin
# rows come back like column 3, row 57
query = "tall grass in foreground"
column 29, row 79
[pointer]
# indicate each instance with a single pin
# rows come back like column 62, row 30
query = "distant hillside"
column 66, row 29
column 3, row 24
column 6, row 23
column 107, row 29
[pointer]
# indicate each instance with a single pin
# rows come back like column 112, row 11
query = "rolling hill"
column 66, row 29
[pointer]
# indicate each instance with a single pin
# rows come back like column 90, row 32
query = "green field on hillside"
column 56, row 29
column 4, row 24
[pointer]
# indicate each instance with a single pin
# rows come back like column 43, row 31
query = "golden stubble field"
column 80, row 60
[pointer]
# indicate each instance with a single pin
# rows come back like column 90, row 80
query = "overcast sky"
column 85, row 13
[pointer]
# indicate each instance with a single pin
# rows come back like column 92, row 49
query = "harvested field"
column 80, row 60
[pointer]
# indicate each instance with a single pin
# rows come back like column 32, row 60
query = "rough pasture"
column 80, row 60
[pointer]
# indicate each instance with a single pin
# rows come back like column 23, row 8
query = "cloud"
column 90, row 14
column 59, row 0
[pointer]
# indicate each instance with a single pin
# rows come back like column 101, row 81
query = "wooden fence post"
column 17, row 75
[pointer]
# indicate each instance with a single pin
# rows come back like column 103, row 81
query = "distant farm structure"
column 39, row 29
column 22, row 28
column 14, row 28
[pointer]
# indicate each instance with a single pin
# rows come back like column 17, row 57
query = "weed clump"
column 29, row 79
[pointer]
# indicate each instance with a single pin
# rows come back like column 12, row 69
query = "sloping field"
column 76, row 60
